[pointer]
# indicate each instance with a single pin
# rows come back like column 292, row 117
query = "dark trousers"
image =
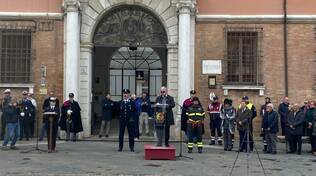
column 271, row 139
column 215, row 126
column 195, row 132
column 243, row 140
column 163, row 131
column 283, row 126
column 52, row 140
column 295, row 143
column 3, row 127
column 228, row 143
column 32, row 124
column 25, row 130
column 131, row 130
column 313, row 143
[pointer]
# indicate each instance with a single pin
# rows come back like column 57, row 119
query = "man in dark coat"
column 184, row 118
column 311, row 125
column 107, row 109
column 45, row 105
column 164, row 116
column 127, row 119
column 295, row 123
column 71, row 118
column 243, row 118
column 144, row 111
column 263, row 110
column 55, row 109
column 270, row 127
column 283, row 112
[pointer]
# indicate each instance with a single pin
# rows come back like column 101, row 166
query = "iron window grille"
column 16, row 55
column 242, row 63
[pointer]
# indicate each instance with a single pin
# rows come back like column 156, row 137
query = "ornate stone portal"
column 140, row 28
column 130, row 25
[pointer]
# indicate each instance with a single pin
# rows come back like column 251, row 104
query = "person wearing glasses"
column 164, row 116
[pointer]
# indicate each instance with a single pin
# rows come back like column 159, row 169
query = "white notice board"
column 212, row 67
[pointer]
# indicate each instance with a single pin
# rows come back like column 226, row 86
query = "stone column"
column 71, row 67
column 185, row 66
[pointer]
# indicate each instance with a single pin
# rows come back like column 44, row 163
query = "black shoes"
column 107, row 135
column 100, row 136
column 189, row 150
column 119, row 150
column 199, row 150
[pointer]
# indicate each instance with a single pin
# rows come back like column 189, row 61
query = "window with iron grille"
column 242, row 57
column 15, row 55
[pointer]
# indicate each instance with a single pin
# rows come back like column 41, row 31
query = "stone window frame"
column 257, row 80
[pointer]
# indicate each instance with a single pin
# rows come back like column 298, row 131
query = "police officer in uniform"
column 214, row 111
column 127, row 119
column 196, row 116
column 26, row 107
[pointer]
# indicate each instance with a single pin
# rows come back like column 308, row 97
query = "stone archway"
column 92, row 13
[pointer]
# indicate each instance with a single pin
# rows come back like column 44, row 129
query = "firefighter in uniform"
column 214, row 110
column 127, row 119
column 195, row 114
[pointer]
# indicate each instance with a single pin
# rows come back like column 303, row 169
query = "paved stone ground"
column 89, row 158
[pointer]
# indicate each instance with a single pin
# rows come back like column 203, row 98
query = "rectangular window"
column 15, row 55
column 242, row 57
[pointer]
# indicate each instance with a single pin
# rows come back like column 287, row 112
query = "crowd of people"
column 18, row 119
column 295, row 121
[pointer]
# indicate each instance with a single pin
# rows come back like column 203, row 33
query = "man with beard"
column 71, row 118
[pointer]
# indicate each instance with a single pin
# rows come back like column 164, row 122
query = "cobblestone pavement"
column 90, row 158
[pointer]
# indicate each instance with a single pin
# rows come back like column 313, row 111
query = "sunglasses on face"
column 163, row 92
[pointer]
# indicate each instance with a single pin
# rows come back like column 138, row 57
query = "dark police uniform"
column 54, row 125
column 196, row 116
column 25, row 120
column 126, row 119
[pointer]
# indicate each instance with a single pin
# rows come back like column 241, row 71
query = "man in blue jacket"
column 270, row 128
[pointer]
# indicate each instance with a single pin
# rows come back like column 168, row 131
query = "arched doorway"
column 129, row 52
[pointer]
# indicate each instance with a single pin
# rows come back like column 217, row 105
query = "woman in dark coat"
column 71, row 118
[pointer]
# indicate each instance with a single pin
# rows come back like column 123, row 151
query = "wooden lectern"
column 51, row 116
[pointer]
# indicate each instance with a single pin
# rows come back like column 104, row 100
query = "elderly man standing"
column 6, row 99
column 295, row 123
column 243, row 118
column 164, row 116
column 270, row 128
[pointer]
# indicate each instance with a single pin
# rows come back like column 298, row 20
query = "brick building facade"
column 195, row 32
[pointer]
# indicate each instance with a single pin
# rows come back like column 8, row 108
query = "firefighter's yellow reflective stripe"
column 195, row 114
column 249, row 106
column 194, row 121
column 200, row 144
column 190, row 145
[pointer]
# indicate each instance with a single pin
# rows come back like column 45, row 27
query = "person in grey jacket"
column 295, row 123
column 228, row 114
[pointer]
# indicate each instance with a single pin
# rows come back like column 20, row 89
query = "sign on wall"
column 211, row 67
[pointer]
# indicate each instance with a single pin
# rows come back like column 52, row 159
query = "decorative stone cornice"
column 186, row 7
column 71, row 6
